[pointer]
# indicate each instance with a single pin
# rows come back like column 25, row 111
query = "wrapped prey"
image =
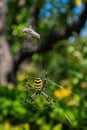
column 29, row 30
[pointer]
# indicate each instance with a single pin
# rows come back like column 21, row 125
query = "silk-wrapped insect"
column 29, row 30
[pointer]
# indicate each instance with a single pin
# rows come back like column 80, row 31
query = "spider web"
column 73, row 92
column 54, row 105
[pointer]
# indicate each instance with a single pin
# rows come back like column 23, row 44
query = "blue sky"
column 84, row 30
column 48, row 6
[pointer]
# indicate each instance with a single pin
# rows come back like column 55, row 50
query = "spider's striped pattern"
column 38, row 88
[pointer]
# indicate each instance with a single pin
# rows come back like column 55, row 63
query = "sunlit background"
column 61, row 52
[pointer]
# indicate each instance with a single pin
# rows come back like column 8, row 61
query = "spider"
column 38, row 88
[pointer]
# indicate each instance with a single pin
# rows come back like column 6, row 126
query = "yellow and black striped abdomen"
column 38, row 84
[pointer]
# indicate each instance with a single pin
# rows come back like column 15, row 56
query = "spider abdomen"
column 38, row 84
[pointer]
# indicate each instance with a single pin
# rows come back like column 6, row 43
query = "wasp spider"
column 38, row 88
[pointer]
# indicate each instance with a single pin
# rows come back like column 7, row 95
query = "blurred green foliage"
column 66, row 64
column 67, row 67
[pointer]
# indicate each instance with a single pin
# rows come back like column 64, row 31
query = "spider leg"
column 44, row 83
column 28, row 87
column 49, row 99
column 30, row 98
column 33, row 96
